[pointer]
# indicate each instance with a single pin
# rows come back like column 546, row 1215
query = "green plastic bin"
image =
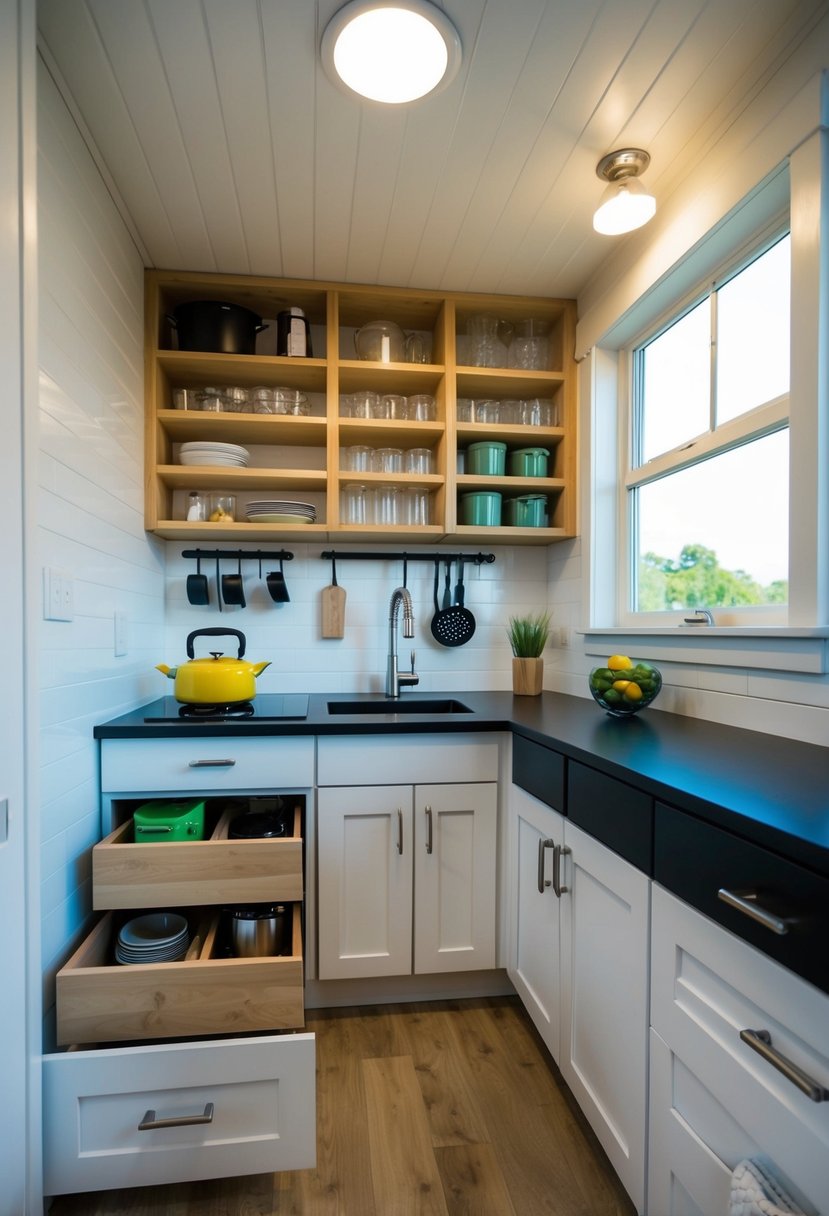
column 527, row 511
column 481, row 509
column 487, row 458
column 159, row 820
column 529, row 462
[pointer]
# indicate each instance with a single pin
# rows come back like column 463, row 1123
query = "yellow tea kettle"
column 217, row 680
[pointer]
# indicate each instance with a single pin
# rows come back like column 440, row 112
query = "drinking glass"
column 364, row 404
column 395, row 406
column 529, row 348
column 487, row 411
column 387, row 505
column 466, row 409
column 536, row 412
column 417, row 506
column 387, row 460
column 417, row 460
column 354, row 504
column 422, row 408
column 356, row 459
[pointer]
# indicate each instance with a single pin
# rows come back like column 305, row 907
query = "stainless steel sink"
column 403, row 706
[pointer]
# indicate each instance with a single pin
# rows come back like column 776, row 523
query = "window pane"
column 716, row 534
column 753, row 334
column 676, row 383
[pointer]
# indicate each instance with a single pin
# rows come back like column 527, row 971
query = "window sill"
column 765, row 648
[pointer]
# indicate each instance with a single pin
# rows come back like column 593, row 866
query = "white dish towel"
column 756, row 1192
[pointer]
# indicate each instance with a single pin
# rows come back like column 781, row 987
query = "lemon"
column 632, row 692
column 621, row 685
column 619, row 662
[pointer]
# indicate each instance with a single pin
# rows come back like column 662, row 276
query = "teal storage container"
column 487, row 458
column 527, row 511
column 529, row 462
column 159, row 820
column 481, row 509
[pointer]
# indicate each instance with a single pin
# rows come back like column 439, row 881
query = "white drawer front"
column 264, row 1112
column 707, row 986
column 392, row 759
column 154, row 765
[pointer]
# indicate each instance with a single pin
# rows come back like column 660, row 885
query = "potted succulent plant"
column 528, row 636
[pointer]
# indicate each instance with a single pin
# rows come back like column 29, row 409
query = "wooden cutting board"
column 333, row 611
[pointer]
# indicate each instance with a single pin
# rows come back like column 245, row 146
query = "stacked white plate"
column 280, row 511
column 229, row 455
column 158, row 937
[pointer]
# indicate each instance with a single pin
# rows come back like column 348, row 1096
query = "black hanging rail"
column 470, row 559
column 262, row 555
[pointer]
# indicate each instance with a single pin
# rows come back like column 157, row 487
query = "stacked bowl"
column 158, row 937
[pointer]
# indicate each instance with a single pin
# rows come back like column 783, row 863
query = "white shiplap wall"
column 90, row 508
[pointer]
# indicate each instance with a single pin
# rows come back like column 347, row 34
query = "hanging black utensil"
column 452, row 626
column 277, row 586
column 447, row 589
column 198, row 591
column 233, row 588
column 218, row 585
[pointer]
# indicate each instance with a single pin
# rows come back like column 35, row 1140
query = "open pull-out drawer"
column 238, row 1106
column 100, row 1001
column 190, row 873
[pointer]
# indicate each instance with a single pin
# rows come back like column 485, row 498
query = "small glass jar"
column 187, row 398
column 422, row 408
column 417, row 510
column 222, row 508
column 197, row 507
column 395, row 407
column 466, row 408
column 387, row 505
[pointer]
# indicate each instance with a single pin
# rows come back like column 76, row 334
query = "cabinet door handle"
column 558, row 853
column 760, row 1041
column 211, row 763
column 400, row 831
column 150, row 1124
column 542, row 845
column 428, row 829
column 746, row 902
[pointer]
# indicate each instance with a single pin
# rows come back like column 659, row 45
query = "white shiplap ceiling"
column 231, row 151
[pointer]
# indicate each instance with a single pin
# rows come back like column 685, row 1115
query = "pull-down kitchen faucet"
column 394, row 678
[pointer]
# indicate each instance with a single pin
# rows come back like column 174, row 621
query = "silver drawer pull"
column 542, row 845
column 211, row 763
column 150, row 1124
column 558, row 852
column 760, row 1041
column 746, row 902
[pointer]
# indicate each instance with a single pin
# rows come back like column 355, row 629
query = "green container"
column 169, row 821
column 529, row 462
column 482, row 509
column 486, row 458
column 527, row 511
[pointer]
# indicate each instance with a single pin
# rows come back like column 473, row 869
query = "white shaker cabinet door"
column 534, row 947
column 604, row 977
column 364, row 852
column 454, row 907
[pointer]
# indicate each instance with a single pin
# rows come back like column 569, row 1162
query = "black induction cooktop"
column 268, row 707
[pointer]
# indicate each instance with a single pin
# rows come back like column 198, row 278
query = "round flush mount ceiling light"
column 626, row 203
column 391, row 51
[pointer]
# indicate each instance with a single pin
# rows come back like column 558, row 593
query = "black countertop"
column 772, row 791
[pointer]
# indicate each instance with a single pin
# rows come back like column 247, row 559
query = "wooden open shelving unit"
column 301, row 455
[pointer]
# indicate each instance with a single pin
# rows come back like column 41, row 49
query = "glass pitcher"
column 488, row 339
column 529, row 348
column 380, row 342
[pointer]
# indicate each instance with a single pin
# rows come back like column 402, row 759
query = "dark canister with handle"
column 293, row 333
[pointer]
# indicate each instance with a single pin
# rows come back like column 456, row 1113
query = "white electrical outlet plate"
column 58, row 595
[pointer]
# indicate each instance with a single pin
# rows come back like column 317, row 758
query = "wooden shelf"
column 336, row 310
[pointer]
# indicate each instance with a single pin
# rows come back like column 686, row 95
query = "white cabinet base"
column 263, row 1092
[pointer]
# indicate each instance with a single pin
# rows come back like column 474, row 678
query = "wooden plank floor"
column 445, row 1108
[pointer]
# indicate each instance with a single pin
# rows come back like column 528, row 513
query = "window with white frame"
column 706, row 488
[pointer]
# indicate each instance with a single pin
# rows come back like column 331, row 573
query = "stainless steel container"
column 258, row 930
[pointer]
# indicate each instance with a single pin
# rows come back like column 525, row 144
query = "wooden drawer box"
column 192, row 873
column 99, row 1000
